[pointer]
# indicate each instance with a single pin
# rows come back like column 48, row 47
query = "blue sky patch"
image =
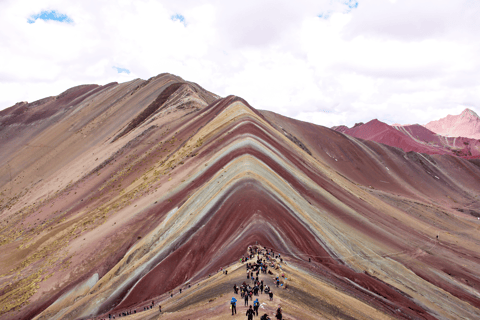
column 324, row 15
column 122, row 70
column 50, row 15
column 178, row 17
column 352, row 4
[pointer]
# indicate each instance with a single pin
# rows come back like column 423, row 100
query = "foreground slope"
column 151, row 186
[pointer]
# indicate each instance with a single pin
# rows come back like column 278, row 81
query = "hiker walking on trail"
column 233, row 302
column 250, row 313
column 256, row 304
column 270, row 294
column 279, row 314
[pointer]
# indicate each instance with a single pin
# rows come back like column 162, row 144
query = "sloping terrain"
column 466, row 124
column 413, row 138
column 134, row 191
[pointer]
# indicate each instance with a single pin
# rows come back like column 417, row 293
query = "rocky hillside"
column 116, row 196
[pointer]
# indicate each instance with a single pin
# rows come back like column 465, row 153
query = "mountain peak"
column 466, row 124
column 469, row 112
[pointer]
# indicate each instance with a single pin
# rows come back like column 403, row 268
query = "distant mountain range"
column 455, row 135
column 466, row 124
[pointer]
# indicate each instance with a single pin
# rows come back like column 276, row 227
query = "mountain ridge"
column 93, row 224
column 415, row 138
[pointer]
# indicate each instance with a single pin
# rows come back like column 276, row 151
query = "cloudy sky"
column 325, row 61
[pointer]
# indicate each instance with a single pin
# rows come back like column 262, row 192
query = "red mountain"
column 413, row 138
column 466, row 124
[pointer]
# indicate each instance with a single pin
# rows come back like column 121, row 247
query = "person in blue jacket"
column 256, row 304
column 233, row 302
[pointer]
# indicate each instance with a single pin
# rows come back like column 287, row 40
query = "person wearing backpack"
column 233, row 302
column 256, row 304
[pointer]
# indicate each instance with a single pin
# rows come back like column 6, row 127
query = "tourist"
column 279, row 314
column 233, row 302
column 256, row 304
column 250, row 313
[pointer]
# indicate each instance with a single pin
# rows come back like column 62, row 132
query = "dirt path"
column 210, row 298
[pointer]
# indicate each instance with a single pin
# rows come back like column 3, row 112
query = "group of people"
column 247, row 291
column 251, row 312
column 254, row 266
column 127, row 313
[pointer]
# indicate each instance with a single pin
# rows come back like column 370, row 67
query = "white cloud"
column 400, row 61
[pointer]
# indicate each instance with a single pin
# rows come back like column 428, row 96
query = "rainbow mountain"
column 118, row 195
